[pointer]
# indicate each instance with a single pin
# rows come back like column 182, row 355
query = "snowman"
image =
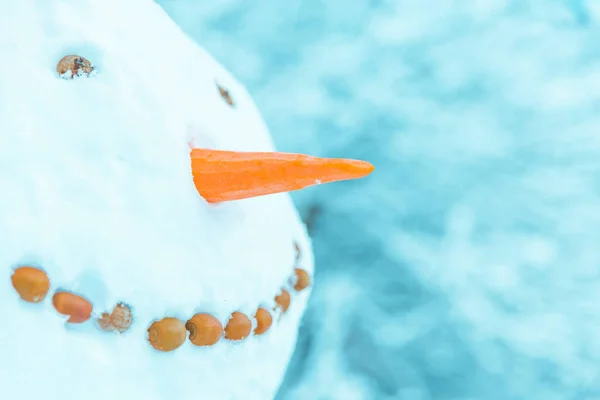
column 149, row 246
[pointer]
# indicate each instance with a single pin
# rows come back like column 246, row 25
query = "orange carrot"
column 231, row 175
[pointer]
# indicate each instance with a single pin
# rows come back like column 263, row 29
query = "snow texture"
column 96, row 189
column 467, row 265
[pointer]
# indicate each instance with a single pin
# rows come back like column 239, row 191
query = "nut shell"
column 205, row 330
column 167, row 334
column 238, row 327
column 297, row 250
column 76, row 307
column 31, row 283
column 119, row 320
column 226, row 95
column 302, row 279
column 77, row 65
column 283, row 300
column 264, row 320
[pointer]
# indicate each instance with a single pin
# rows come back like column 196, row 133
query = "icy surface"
column 466, row 266
column 96, row 189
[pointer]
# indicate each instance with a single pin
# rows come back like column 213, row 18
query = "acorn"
column 264, row 319
column 77, row 65
column 238, row 327
column 31, row 283
column 167, row 334
column 283, row 300
column 76, row 307
column 205, row 330
column 302, row 280
column 119, row 320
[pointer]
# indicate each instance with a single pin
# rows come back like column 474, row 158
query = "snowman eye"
column 225, row 95
column 72, row 66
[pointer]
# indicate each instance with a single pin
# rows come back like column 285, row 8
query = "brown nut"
column 76, row 307
column 167, row 334
column 264, row 319
column 283, row 300
column 302, row 279
column 205, row 330
column 238, row 327
column 31, row 283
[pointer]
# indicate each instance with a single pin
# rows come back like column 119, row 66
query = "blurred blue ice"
column 468, row 265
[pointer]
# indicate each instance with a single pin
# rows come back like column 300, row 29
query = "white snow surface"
column 96, row 189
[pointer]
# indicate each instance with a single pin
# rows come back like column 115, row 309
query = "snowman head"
column 144, row 210
column 219, row 176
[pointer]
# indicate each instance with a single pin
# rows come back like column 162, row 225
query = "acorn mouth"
column 33, row 285
column 231, row 175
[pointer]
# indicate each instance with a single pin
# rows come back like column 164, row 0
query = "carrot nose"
column 232, row 175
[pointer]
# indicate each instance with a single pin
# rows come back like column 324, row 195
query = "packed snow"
column 96, row 189
column 467, row 266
